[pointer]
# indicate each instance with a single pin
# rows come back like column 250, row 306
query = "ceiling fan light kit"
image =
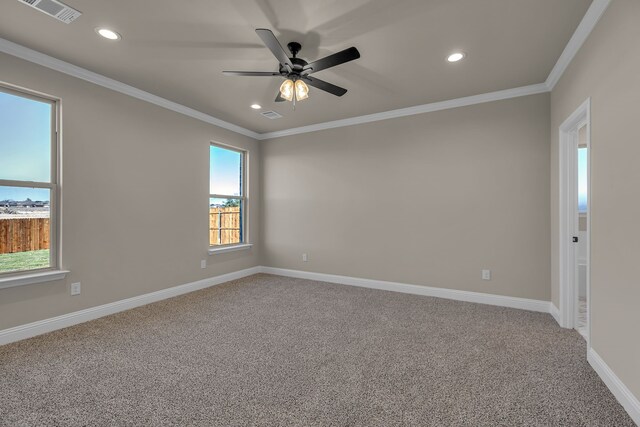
column 290, row 90
column 296, row 71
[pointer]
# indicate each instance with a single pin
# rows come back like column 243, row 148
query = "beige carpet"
column 274, row 351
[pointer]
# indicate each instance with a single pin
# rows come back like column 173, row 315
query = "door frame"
column 568, row 204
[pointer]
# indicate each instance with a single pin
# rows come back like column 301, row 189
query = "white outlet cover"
column 203, row 263
column 486, row 274
column 76, row 288
column 305, row 258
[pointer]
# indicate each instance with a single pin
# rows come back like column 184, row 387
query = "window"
column 227, row 198
column 28, row 183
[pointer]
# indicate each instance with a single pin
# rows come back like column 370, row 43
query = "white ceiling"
column 177, row 49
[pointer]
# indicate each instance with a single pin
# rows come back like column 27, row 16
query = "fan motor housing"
column 298, row 66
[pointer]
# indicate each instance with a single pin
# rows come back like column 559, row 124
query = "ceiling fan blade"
column 250, row 73
column 279, row 98
column 327, row 87
column 333, row 60
column 274, row 46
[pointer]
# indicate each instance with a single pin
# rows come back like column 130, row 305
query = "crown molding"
column 588, row 23
column 410, row 111
column 39, row 58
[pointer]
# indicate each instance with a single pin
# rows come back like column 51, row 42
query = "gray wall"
column 135, row 198
column 607, row 70
column 430, row 199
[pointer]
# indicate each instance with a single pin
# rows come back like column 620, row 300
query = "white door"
column 574, row 203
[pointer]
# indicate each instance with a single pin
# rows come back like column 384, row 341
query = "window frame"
column 242, row 198
column 41, row 274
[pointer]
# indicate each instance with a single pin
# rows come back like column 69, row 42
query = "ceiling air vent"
column 54, row 8
column 271, row 115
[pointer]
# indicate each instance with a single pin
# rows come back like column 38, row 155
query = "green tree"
column 232, row 203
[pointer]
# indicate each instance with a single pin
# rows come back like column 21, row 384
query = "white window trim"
column 244, row 200
column 54, row 272
column 214, row 250
column 31, row 278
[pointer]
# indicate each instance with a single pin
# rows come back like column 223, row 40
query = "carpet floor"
column 275, row 351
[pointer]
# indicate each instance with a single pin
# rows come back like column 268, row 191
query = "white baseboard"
column 553, row 310
column 48, row 325
column 617, row 387
column 477, row 297
column 43, row 326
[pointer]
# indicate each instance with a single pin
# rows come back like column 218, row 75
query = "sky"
column 582, row 179
column 25, row 144
column 224, row 175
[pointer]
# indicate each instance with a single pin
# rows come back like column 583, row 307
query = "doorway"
column 575, row 202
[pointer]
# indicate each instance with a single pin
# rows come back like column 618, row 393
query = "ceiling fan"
column 296, row 71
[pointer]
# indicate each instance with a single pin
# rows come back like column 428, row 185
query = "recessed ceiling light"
column 108, row 34
column 456, row 56
column 256, row 106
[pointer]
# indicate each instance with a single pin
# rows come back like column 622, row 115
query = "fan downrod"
column 294, row 48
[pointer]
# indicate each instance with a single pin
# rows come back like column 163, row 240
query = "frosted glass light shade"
column 302, row 90
column 286, row 90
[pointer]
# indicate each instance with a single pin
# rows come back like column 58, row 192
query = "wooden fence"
column 224, row 226
column 32, row 234
column 23, row 234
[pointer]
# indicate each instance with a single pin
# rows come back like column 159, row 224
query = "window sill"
column 243, row 246
column 31, row 278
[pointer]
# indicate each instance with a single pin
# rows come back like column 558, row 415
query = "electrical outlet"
column 486, row 274
column 203, row 263
column 305, row 258
column 75, row 288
